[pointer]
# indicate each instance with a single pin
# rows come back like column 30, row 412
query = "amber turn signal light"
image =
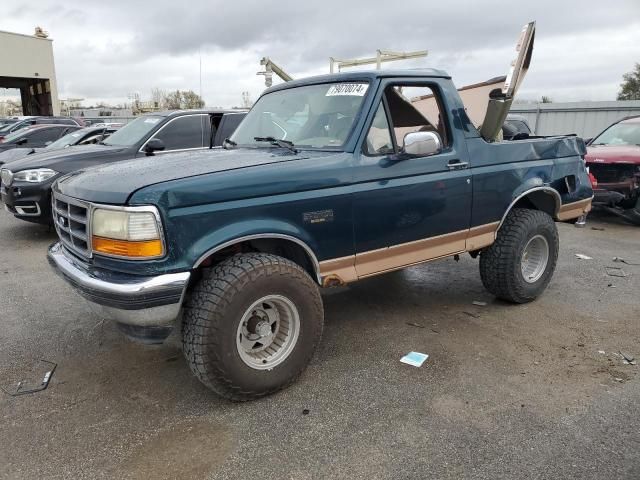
column 126, row 248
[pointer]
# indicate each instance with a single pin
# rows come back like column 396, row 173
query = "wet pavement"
column 527, row 391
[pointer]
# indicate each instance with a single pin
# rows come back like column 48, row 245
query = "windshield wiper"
column 278, row 142
column 229, row 142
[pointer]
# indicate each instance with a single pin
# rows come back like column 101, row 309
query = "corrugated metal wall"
column 585, row 119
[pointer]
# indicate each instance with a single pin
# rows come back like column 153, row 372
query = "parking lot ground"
column 508, row 391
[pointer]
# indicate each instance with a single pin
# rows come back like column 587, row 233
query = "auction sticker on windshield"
column 353, row 89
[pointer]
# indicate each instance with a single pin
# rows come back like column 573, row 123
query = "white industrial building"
column 26, row 63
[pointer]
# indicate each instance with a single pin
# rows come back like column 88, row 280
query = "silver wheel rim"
column 268, row 332
column 535, row 257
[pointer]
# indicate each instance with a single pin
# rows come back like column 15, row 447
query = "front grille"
column 71, row 218
column 612, row 173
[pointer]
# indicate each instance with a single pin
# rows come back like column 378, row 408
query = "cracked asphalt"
column 529, row 391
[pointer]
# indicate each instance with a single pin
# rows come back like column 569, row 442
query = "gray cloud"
column 107, row 49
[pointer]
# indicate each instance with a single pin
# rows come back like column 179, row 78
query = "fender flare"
column 548, row 190
column 279, row 236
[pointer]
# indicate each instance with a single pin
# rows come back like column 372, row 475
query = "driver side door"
column 409, row 209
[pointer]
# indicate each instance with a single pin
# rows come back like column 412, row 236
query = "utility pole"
column 381, row 57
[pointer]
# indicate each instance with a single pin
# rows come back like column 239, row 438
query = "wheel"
column 251, row 325
column 520, row 263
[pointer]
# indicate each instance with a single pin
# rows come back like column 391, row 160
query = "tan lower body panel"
column 569, row 211
column 348, row 269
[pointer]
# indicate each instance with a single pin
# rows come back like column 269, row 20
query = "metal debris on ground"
column 602, row 352
column 414, row 358
column 479, row 303
column 622, row 260
column 20, row 387
column 615, row 272
column 601, row 229
column 628, row 359
column 582, row 256
column 413, row 324
column 471, row 314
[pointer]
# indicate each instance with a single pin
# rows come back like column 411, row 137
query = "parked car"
column 35, row 136
column 23, row 122
column 26, row 183
column 613, row 160
column 83, row 136
column 516, row 127
column 328, row 180
column 7, row 121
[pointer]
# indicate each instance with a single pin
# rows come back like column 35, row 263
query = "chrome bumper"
column 127, row 299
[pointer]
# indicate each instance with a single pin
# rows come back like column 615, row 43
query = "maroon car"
column 613, row 158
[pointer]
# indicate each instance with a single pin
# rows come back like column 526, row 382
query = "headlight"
column 6, row 176
column 133, row 232
column 34, row 176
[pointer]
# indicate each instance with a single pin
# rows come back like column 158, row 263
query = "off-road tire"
column 500, row 268
column 214, row 308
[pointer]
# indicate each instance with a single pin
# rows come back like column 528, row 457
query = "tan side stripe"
column 351, row 268
column 338, row 270
column 572, row 210
column 398, row 256
column 481, row 236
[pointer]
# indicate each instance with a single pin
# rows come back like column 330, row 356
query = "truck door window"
column 415, row 108
column 379, row 138
column 182, row 133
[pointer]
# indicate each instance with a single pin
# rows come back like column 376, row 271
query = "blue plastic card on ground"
column 414, row 358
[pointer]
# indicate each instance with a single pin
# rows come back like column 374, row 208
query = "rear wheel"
column 251, row 325
column 520, row 263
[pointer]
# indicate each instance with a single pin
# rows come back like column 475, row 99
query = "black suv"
column 35, row 136
column 26, row 183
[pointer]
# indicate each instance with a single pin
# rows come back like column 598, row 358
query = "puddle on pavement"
column 189, row 449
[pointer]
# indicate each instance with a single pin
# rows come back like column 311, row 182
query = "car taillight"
column 593, row 179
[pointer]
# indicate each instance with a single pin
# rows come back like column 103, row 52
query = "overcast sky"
column 105, row 50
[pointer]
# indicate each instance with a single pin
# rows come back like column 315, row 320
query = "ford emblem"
column 61, row 221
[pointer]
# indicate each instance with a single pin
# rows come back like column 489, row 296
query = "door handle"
column 457, row 165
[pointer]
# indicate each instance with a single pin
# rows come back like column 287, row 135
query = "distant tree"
column 546, row 99
column 190, row 99
column 173, row 100
column 630, row 86
column 158, row 97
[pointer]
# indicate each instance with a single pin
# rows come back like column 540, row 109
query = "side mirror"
column 153, row 145
column 422, row 144
column 587, row 141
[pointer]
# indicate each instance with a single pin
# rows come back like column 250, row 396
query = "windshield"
column 620, row 134
column 315, row 116
column 69, row 139
column 133, row 132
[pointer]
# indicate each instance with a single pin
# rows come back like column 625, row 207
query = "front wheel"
column 251, row 325
column 520, row 263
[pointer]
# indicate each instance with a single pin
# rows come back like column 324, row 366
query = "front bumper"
column 28, row 201
column 131, row 300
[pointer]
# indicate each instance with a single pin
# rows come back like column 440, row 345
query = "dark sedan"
column 26, row 183
column 36, row 136
column 83, row 136
column 24, row 122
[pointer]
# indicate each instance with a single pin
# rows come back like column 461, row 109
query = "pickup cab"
column 327, row 180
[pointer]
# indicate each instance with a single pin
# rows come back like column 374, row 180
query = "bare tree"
column 158, row 97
